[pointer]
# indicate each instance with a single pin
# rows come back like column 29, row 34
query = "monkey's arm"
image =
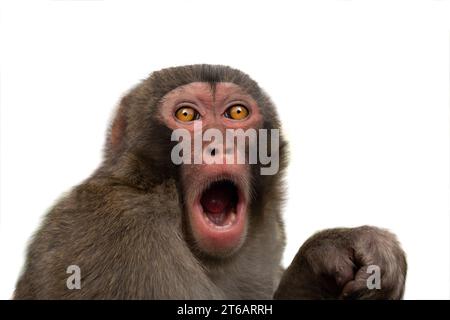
column 343, row 264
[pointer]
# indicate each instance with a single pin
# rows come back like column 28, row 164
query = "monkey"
column 144, row 227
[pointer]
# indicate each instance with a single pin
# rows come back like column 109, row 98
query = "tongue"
column 216, row 200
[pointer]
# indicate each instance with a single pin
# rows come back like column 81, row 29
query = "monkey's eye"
column 187, row 114
column 237, row 112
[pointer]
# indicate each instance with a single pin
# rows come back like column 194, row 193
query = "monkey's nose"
column 216, row 151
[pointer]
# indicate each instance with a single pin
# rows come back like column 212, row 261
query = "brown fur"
column 333, row 263
column 125, row 227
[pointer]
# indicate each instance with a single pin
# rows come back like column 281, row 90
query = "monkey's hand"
column 357, row 263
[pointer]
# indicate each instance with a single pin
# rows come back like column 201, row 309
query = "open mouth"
column 218, row 216
column 219, row 203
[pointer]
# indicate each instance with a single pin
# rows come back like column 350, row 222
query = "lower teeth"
column 219, row 219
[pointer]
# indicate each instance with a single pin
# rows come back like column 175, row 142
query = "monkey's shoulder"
column 101, row 200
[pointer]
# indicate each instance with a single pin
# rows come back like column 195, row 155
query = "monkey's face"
column 216, row 184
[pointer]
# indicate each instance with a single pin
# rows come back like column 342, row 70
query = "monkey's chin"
column 219, row 218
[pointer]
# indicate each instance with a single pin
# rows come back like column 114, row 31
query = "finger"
column 357, row 287
column 344, row 274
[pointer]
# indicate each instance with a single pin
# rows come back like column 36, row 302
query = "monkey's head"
column 213, row 130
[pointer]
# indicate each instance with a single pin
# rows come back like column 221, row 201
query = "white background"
column 362, row 89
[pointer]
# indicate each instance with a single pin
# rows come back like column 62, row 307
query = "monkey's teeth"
column 217, row 218
column 222, row 220
column 233, row 217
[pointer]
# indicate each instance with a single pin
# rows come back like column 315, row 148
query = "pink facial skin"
column 212, row 239
column 211, row 107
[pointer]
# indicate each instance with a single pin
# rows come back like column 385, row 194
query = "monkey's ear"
column 116, row 141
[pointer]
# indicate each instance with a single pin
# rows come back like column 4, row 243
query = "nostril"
column 213, row 152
